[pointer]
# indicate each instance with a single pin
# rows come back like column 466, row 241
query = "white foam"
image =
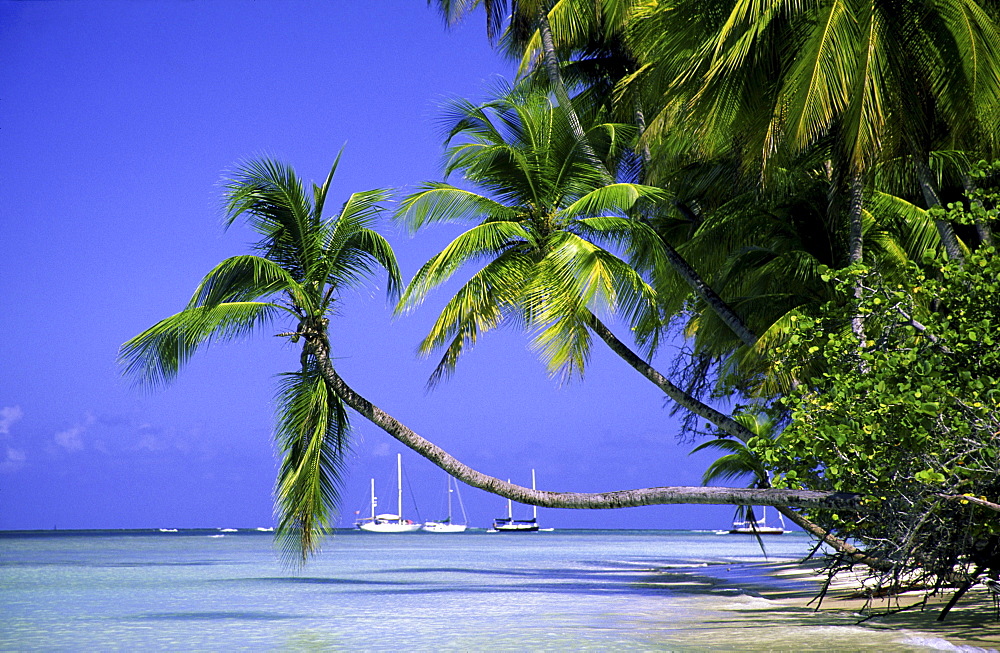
column 940, row 644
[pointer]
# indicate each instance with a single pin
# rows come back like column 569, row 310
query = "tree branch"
column 976, row 500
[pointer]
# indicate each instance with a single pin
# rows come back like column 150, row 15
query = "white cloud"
column 71, row 439
column 13, row 460
column 9, row 415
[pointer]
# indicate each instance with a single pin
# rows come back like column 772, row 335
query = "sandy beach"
column 784, row 595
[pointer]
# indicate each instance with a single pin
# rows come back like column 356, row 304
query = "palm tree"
column 544, row 231
column 537, row 30
column 302, row 263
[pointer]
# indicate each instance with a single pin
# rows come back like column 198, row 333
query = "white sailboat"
column 389, row 523
column 758, row 526
column 510, row 525
column 446, row 525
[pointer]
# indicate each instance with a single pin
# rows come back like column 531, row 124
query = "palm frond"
column 365, row 251
column 320, row 192
column 313, row 437
column 480, row 305
column 155, row 356
column 485, row 240
column 272, row 198
column 245, row 278
column 440, row 202
column 612, row 200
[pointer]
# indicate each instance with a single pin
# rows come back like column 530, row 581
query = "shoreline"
column 793, row 586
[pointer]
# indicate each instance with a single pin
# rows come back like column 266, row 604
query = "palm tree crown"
column 542, row 227
column 301, row 264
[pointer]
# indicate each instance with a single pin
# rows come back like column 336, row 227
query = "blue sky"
column 117, row 122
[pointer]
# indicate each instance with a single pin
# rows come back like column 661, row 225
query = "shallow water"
column 568, row 590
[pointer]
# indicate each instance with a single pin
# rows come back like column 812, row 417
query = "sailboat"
column 388, row 523
column 445, row 525
column 510, row 525
column 757, row 526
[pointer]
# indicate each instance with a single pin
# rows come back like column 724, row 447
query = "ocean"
column 475, row 591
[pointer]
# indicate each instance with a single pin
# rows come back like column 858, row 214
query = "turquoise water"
column 569, row 590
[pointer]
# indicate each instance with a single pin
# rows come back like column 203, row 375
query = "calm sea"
column 560, row 591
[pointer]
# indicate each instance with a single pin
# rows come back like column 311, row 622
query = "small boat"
column 510, row 525
column 446, row 525
column 388, row 523
column 754, row 526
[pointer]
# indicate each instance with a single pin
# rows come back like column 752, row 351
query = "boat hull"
column 761, row 530
column 514, row 526
column 441, row 527
column 385, row 527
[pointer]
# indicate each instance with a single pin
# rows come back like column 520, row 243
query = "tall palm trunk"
column 946, row 232
column 684, row 269
column 709, row 296
column 644, row 151
column 318, row 347
column 550, row 61
column 855, row 207
column 982, row 229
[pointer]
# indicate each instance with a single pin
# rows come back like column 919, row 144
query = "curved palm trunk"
column 683, row 399
column 851, row 551
column 709, row 296
column 620, row 499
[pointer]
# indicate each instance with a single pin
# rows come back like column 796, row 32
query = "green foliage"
column 910, row 420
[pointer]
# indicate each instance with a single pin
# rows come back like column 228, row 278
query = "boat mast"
column 399, row 487
column 465, row 517
column 510, row 508
column 534, row 509
column 449, row 499
column 373, row 500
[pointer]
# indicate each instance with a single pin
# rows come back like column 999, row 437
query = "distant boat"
column 510, row 525
column 446, row 525
column 389, row 523
column 757, row 526
column 168, row 530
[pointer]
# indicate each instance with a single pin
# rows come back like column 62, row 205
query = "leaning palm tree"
column 302, row 263
column 548, row 233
